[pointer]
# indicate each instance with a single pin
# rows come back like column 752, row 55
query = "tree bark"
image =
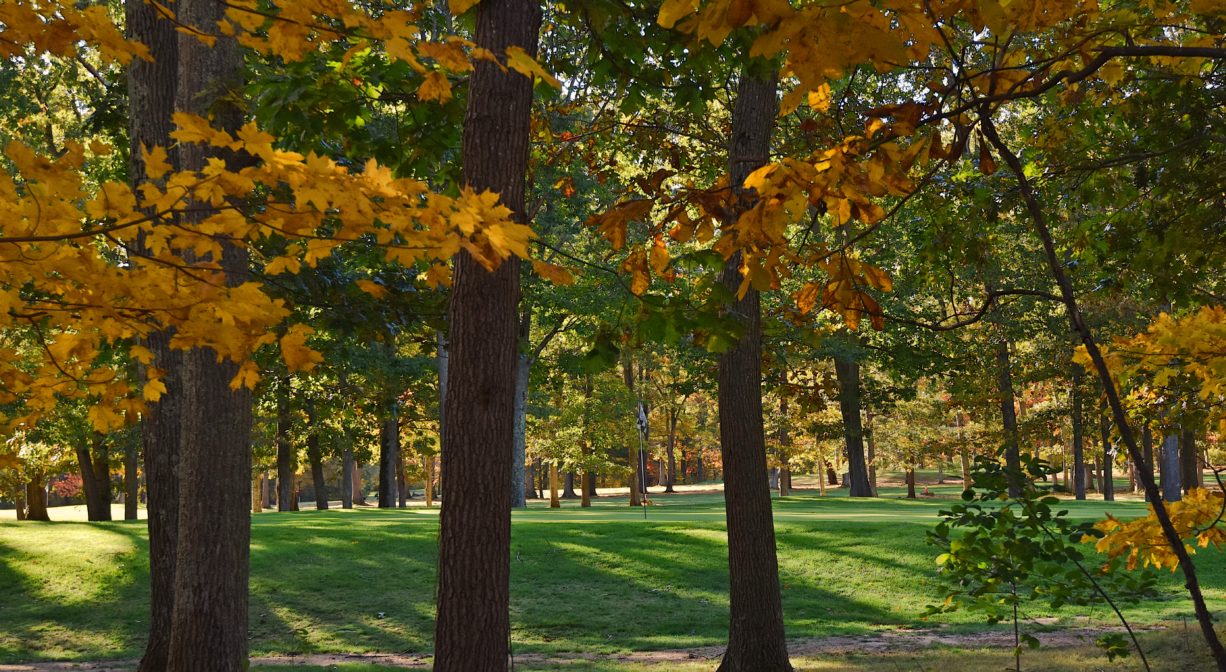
column 36, row 500
column 20, row 502
column 910, row 482
column 755, row 632
column 286, row 462
column 315, row 456
column 389, row 449
column 1172, row 482
column 632, row 451
column 589, row 487
column 554, row 501
column 131, row 484
column 473, row 624
column 870, row 440
column 209, row 621
column 523, row 369
column 847, row 371
column 1079, row 458
column 1147, row 445
column 1189, row 465
column 568, row 486
column 670, row 449
column 347, row 475
column 95, row 478
column 1004, row 383
column 151, row 89
column 1108, row 477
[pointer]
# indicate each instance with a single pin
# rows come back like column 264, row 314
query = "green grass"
column 599, row 580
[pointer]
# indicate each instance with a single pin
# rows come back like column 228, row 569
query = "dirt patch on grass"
column 892, row 641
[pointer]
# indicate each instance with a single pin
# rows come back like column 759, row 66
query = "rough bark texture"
column 151, row 99
column 36, row 500
column 1004, row 382
column 473, row 624
column 285, row 450
column 755, row 631
column 209, row 622
column 847, row 371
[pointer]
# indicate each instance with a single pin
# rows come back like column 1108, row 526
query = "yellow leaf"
column 555, row 274
column 156, row 164
column 371, row 287
column 519, row 61
column 636, row 265
column 294, row 350
column 458, row 7
column 248, row 375
column 659, row 256
column 819, row 98
column 153, row 390
column 673, row 11
column 435, row 87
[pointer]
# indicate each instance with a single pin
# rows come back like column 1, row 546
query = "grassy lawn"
column 598, row 581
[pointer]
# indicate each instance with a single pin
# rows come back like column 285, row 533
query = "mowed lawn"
column 598, row 580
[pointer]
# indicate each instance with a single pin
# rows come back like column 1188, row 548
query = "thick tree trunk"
column 1079, row 458
column 473, row 624
column 95, row 479
column 1004, row 383
column 286, row 462
column 847, row 371
column 209, row 622
column 755, row 633
column 1172, row 483
column 568, row 486
column 131, row 484
column 358, row 487
column 389, row 449
column 589, row 487
column 36, row 500
column 151, row 100
column 1189, row 464
column 910, row 482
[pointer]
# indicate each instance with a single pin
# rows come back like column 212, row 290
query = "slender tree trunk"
column 473, row 624
column 1189, row 465
column 36, row 500
column 131, row 484
column 871, row 442
column 286, row 464
column 632, row 451
column 523, row 371
column 589, row 487
column 402, row 481
column 315, row 456
column 1172, row 483
column 389, row 449
column 1147, row 444
column 358, row 487
column 1079, row 459
column 910, row 482
column 755, row 633
column 257, row 499
column 554, row 501
column 670, row 449
column 847, row 371
column 1009, row 418
column 151, row 89
column 1108, row 477
column 1191, row 581
column 20, row 501
column 347, row 475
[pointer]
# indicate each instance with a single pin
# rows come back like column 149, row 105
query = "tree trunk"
column 568, row 486
column 95, row 479
column 473, row 624
column 1147, row 443
column 1172, row 483
column 755, row 633
column 286, row 462
column 1079, row 458
column 523, row 369
column 871, row 442
column 1108, row 477
column 589, row 487
column 151, row 89
column 1009, row 419
column 357, row 486
column 632, row 452
column 36, row 500
column 402, row 481
column 209, row 622
column 847, row 371
column 1189, row 465
column 554, row 501
column 131, row 484
column 670, row 449
column 347, row 475
column 20, row 501
column 910, row 482
column 257, row 499
column 315, row 455
column 586, row 498
column 389, row 449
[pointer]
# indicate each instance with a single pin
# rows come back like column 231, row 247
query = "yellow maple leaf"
column 519, row 61
column 434, row 87
column 294, row 350
column 371, row 287
column 558, row 275
column 156, row 163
